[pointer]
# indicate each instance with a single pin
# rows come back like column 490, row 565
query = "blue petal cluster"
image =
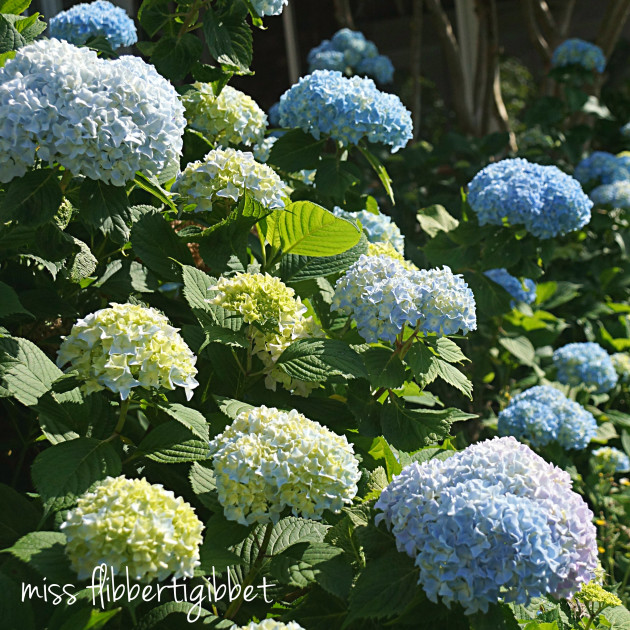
column 379, row 228
column 348, row 110
column 545, row 200
column 601, row 167
column 611, row 460
column 616, row 194
column 581, row 53
column 93, row 19
column 625, row 130
column 494, row 521
column 382, row 297
column 543, row 414
column 585, row 364
column 99, row 118
column 521, row 290
column 269, row 7
column 349, row 52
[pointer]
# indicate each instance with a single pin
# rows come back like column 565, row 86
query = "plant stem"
column 124, row 408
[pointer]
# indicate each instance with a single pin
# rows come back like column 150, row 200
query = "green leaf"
column 159, row 613
column 316, row 360
column 64, row 471
column 381, row 450
column 174, row 57
column 45, row 552
column 105, row 207
column 192, row 419
column 307, row 229
column 319, row 611
column 29, row 27
column 423, row 364
column 204, row 485
column 565, row 292
column 296, row 151
column 454, row 377
column 83, row 262
column 385, row 369
column 449, row 350
column 491, row 299
column 32, row 199
column 619, row 617
column 498, row 617
column 89, row 619
column 218, row 536
column 334, row 178
column 18, row 516
column 154, row 15
column 380, row 170
column 10, row 37
column 171, row 443
column 151, row 184
column 10, row 302
column 436, row 218
column 14, row 6
column 232, row 408
column 521, row 347
column 229, row 37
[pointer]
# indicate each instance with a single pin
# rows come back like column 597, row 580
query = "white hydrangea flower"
column 132, row 524
column 268, row 460
column 229, row 174
column 271, row 624
column 96, row 117
column 128, row 346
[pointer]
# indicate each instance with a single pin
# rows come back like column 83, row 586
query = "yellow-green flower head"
column 268, row 460
column 233, row 117
column 132, row 524
column 270, row 624
column 227, row 174
column 621, row 363
column 387, row 249
column 128, row 346
column 593, row 592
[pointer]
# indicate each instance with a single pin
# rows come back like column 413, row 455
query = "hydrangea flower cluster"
column 545, row 200
column 616, row 194
column 233, row 117
column 229, row 174
column 621, row 363
column 348, row 110
column 387, row 249
column 379, row 228
column 382, row 296
column 268, row 460
column 277, row 318
column 585, row 364
column 601, row 167
column 609, row 459
column 93, row 19
column 130, row 523
column 269, row 7
column 99, row 118
column 128, row 346
column 581, row 53
column 349, row 52
column 593, row 592
column 543, row 414
column 521, row 290
column 494, row 521
column 625, row 130
column 272, row 624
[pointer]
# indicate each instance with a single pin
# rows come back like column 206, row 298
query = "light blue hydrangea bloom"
column 543, row 414
column 273, row 115
column 382, row 297
column 581, row 53
column 601, row 167
column 585, row 364
column 616, row 194
column 621, row 363
column 494, row 521
column 379, row 228
column 521, row 290
column 99, row 118
column 348, row 110
column 625, row 130
column 546, row 201
column 269, row 7
column 611, row 460
column 379, row 67
column 93, row 19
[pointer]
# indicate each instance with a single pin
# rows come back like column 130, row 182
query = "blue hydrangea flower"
column 601, row 167
column 383, row 297
column 585, row 364
column 521, row 290
column 347, row 110
column 99, row 118
column 379, row 228
column 269, row 7
column 379, row 67
column 625, row 130
column 609, row 459
column 581, row 53
column 493, row 522
column 273, row 115
column 543, row 414
column 616, row 194
column 92, row 19
column 546, row 201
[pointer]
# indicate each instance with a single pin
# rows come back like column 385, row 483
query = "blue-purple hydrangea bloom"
column 542, row 415
column 546, row 201
column 585, row 364
column 601, row 167
column 494, row 521
column 611, row 460
column 521, row 290
column 616, row 194
column 579, row 52
column 346, row 109
column 379, row 228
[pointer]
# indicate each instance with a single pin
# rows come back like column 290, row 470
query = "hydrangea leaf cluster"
column 277, row 317
column 346, row 109
column 349, row 52
column 233, row 117
column 601, row 167
column 579, row 52
column 585, row 364
column 227, row 174
column 272, row 624
column 616, row 194
column 521, row 290
column 546, row 201
column 379, row 228
column 268, row 460
column 269, row 7
column 128, row 346
column 387, row 249
column 92, row 19
column 383, row 297
column 99, row 118
column 609, row 459
column 621, row 363
column 543, row 415
column 132, row 524
column 494, row 521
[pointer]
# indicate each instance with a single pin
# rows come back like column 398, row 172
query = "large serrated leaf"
column 171, row 443
column 296, row 151
column 18, row 516
column 454, row 377
column 192, row 419
column 174, row 57
column 384, row 367
column 449, row 350
column 10, row 302
column 521, row 347
column 229, row 37
column 34, row 198
column 423, row 364
column 10, row 37
column 105, row 207
column 204, row 485
column 436, row 218
column 232, row 408
column 192, row 610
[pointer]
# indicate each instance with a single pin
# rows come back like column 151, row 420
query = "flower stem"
column 124, row 408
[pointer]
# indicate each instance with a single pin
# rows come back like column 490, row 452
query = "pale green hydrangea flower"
column 227, row 174
column 621, row 363
column 268, row 460
column 128, row 346
column 130, row 523
column 277, row 318
column 270, row 624
column 593, row 592
column 233, row 117
column 387, row 249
